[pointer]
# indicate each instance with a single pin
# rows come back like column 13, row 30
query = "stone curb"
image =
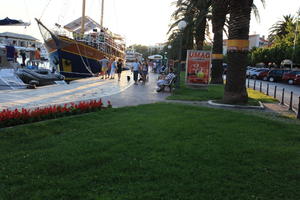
column 260, row 107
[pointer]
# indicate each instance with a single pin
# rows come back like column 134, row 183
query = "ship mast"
column 102, row 12
column 83, row 17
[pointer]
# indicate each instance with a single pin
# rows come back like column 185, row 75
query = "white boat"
column 12, row 75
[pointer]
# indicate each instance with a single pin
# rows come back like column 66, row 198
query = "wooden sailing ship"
column 76, row 56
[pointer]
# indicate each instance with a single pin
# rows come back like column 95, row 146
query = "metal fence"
column 285, row 96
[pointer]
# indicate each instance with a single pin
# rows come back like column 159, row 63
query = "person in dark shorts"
column 135, row 69
column 119, row 68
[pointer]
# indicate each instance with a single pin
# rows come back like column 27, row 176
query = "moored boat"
column 77, row 55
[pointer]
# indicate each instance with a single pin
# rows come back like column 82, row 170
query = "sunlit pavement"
column 120, row 93
column 139, row 94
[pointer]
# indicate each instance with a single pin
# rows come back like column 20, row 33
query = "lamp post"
column 295, row 39
column 181, row 26
column 167, row 64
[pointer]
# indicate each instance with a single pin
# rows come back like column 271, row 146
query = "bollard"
column 298, row 116
column 275, row 91
column 248, row 82
column 268, row 89
column 260, row 87
column 291, row 102
column 282, row 97
column 254, row 85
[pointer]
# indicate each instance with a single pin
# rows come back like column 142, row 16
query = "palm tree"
column 194, row 12
column 220, row 8
column 219, row 12
column 200, row 22
column 238, row 42
column 280, row 28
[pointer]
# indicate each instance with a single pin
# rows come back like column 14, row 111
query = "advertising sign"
column 198, row 67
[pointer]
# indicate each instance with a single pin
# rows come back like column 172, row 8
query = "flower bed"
column 23, row 116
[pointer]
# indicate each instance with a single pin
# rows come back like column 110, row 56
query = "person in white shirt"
column 135, row 69
column 113, row 69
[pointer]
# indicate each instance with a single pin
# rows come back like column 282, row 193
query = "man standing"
column 11, row 52
column 104, row 67
column 135, row 69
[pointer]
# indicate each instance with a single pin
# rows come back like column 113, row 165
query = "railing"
column 285, row 96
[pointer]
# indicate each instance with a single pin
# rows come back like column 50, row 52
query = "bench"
column 169, row 84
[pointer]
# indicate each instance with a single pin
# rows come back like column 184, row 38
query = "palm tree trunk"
column 238, row 47
column 200, row 34
column 219, row 11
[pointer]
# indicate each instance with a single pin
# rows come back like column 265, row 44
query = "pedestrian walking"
column 135, row 69
column 23, row 55
column 119, row 68
column 37, row 56
column 145, row 69
column 113, row 69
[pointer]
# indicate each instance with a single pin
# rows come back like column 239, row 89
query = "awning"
column 12, row 22
column 75, row 26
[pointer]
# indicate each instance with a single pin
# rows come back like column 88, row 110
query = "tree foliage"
column 282, row 35
column 196, row 14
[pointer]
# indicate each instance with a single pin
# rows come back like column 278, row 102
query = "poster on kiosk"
column 198, row 67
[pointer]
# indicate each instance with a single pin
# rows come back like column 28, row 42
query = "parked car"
column 290, row 77
column 249, row 70
column 263, row 75
column 297, row 80
column 254, row 74
column 276, row 74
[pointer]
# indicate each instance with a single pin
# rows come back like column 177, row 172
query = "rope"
column 45, row 9
column 85, row 65
column 88, row 63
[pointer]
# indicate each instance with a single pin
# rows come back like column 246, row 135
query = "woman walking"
column 119, row 68
column 113, row 69
column 145, row 69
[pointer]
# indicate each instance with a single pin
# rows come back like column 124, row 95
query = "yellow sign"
column 217, row 56
column 67, row 65
column 238, row 45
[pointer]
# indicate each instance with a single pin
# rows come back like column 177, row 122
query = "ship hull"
column 74, row 59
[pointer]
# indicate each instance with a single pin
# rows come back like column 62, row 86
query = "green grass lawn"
column 214, row 92
column 159, row 151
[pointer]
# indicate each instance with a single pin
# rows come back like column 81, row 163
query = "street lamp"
column 167, row 57
column 181, row 26
column 295, row 39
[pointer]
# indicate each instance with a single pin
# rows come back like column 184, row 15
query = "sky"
column 139, row 21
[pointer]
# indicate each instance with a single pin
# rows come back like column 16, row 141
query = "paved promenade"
column 120, row 93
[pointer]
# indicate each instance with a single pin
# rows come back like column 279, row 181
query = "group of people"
column 12, row 53
column 140, row 68
column 108, row 68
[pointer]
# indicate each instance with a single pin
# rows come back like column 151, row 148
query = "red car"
column 263, row 75
column 290, row 77
column 297, row 80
